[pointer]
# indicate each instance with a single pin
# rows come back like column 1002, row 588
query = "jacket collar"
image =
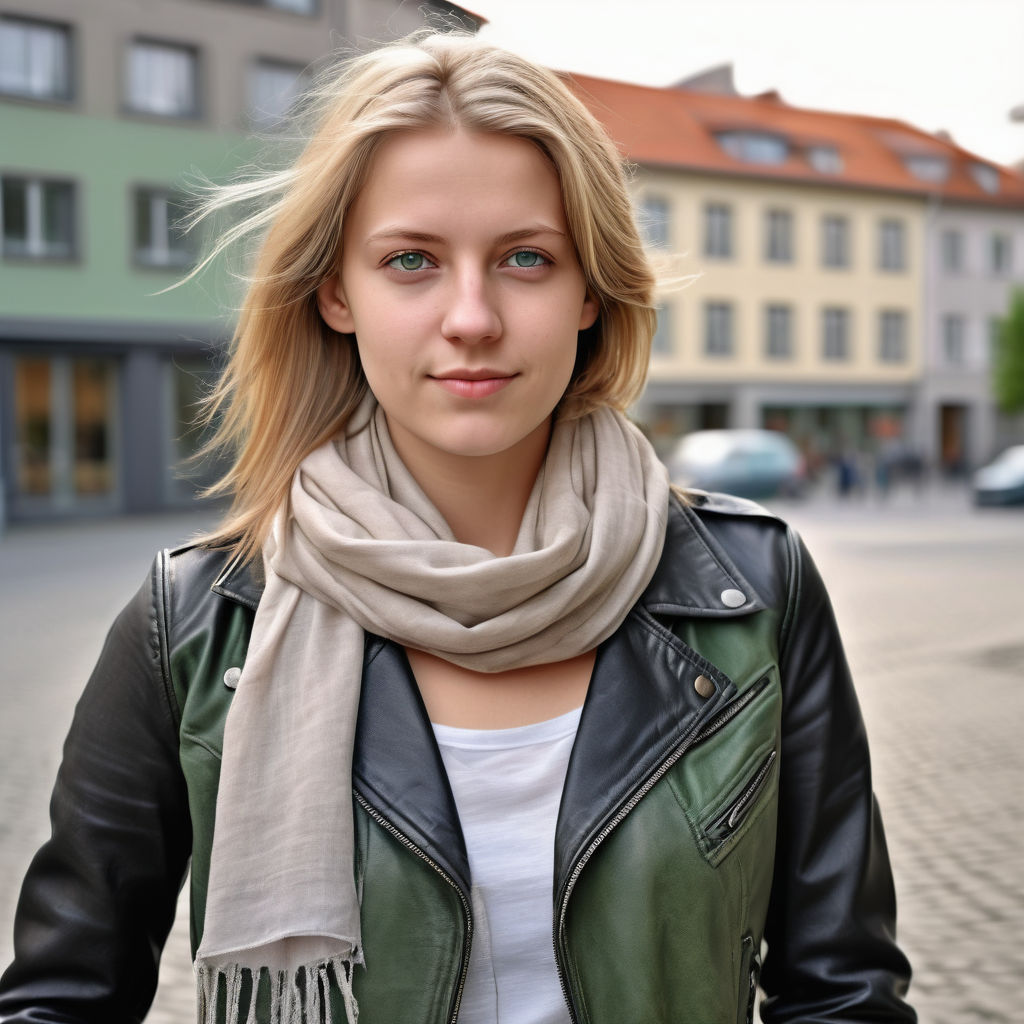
column 694, row 577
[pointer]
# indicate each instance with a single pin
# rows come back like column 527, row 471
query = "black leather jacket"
column 718, row 792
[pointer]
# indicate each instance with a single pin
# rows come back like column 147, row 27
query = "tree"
column 1008, row 366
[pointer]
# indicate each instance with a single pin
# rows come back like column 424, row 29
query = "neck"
column 482, row 497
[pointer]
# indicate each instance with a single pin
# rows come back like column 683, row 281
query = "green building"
column 106, row 114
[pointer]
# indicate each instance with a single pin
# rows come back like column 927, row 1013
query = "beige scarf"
column 364, row 549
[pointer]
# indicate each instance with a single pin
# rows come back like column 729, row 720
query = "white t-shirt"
column 508, row 785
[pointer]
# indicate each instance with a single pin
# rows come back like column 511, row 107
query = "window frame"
column 663, row 340
column 778, row 225
column 892, row 244
column 186, row 257
column 892, row 348
column 66, row 32
column 835, row 228
column 260, row 63
column 840, row 316
column 1000, row 242
column 772, row 351
column 956, row 265
column 130, row 105
column 35, row 211
column 719, row 317
column 648, row 222
column 718, row 231
column 954, row 342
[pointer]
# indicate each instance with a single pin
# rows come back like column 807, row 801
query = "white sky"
column 939, row 64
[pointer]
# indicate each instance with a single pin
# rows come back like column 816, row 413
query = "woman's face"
column 461, row 284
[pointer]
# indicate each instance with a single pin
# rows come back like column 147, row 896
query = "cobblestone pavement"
column 930, row 599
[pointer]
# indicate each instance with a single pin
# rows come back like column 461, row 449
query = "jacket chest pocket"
column 729, row 777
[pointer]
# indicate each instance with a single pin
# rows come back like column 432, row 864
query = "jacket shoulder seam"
column 793, row 591
column 161, row 619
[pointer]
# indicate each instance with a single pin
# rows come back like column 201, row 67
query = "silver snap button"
column 704, row 686
column 733, row 598
column 231, row 677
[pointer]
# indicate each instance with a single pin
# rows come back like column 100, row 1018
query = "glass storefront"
column 65, row 413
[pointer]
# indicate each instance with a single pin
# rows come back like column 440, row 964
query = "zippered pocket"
column 730, row 820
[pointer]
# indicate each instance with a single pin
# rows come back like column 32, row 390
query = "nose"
column 471, row 315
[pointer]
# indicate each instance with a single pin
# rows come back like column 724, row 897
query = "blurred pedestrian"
column 458, row 658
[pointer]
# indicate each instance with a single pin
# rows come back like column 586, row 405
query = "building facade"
column 974, row 260
column 805, row 289
column 108, row 114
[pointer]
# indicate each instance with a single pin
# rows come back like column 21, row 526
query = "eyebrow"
column 397, row 232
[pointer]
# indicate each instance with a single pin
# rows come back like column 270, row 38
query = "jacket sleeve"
column 830, row 932
column 99, row 897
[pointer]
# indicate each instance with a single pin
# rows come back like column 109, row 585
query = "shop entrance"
column 65, row 434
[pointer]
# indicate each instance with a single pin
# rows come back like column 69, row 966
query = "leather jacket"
column 718, row 794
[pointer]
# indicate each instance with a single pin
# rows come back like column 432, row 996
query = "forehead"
column 443, row 175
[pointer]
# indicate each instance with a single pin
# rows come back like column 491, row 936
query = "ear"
column 333, row 307
column 588, row 315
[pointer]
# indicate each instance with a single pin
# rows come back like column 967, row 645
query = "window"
column 953, row 332
column 274, row 89
column 778, row 331
column 1000, row 254
column 835, row 242
column 836, row 334
column 985, row 176
column 952, row 251
column 825, row 159
column 892, row 245
column 654, row 215
column 38, row 219
column 35, row 59
column 778, row 236
column 754, row 147
column 662, row 345
column 718, row 230
column 160, row 239
column 892, row 336
column 65, row 424
column 162, row 78
column 928, row 168
column 718, row 328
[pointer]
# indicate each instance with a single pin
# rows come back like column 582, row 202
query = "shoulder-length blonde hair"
column 292, row 382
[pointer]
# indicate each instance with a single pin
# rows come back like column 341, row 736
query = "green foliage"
column 1008, row 369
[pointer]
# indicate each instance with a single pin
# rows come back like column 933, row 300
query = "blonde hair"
column 292, row 382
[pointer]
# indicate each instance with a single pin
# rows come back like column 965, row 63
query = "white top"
column 508, row 785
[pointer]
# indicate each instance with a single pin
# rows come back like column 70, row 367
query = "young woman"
column 462, row 715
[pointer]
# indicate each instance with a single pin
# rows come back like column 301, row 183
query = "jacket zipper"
column 731, row 711
column 732, row 817
column 410, row 845
column 712, row 727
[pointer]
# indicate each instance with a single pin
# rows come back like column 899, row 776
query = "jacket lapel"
column 644, row 698
column 397, row 766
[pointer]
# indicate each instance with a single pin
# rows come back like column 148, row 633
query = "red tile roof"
column 676, row 127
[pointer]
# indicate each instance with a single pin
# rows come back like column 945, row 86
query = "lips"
column 474, row 383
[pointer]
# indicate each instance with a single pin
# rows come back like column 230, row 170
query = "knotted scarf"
column 360, row 547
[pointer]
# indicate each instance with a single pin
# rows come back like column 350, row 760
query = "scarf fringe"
column 299, row 997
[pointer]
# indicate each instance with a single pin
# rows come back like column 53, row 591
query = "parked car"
column 748, row 463
column 1001, row 482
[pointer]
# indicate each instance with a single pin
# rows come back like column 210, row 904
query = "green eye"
column 526, row 259
column 408, row 261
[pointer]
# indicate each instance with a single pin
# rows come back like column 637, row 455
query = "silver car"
column 747, row 463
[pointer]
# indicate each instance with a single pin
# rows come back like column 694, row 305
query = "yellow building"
column 793, row 243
